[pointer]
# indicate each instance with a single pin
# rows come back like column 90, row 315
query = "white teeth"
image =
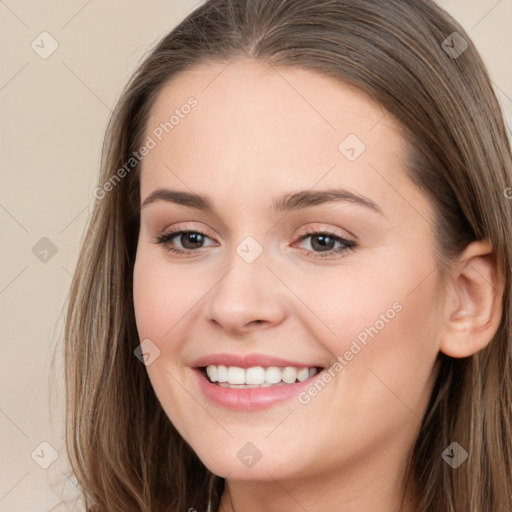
column 290, row 375
column 273, row 375
column 256, row 376
column 211, row 371
column 236, row 375
column 222, row 373
column 303, row 374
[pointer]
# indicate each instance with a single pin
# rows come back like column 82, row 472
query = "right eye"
column 190, row 240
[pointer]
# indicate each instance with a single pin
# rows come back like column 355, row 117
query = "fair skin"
column 255, row 135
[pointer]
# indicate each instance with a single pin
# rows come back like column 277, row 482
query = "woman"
column 294, row 291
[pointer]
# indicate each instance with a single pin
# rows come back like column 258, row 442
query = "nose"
column 247, row 297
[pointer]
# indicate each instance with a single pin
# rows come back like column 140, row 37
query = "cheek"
column 163, row 302
column 348, row 304
column 392, row 353
column 162, row 296
column 382, row 327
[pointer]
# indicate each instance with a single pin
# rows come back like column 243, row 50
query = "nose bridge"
column 246, row 294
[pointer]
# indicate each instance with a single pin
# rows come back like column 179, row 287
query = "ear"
column 473, row 305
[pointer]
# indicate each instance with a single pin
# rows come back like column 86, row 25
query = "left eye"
column 322, row 244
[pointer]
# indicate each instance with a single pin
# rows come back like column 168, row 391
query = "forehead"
column 254, row 125
column 266, row 93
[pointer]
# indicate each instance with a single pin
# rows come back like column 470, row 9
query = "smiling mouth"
column 235, row 377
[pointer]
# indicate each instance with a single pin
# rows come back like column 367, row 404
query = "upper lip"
column 248, row 361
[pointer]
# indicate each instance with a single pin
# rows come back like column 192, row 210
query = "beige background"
column 53, row 115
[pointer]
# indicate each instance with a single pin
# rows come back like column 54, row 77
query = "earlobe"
column 474, row 306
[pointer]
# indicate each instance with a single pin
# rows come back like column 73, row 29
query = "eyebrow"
column 287, row 202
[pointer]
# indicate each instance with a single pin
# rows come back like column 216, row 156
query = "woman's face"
column 288, row 164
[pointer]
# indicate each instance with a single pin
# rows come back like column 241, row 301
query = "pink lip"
column 249, row 399
column 248, row 360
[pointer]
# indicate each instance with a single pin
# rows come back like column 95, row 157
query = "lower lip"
column 250, row 399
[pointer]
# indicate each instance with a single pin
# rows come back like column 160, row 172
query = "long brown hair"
column 124, row 451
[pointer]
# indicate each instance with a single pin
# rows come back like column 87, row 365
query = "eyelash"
column 346, row 245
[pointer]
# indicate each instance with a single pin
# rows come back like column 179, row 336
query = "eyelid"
column 183, row 226
column 175, row 232
column 346, row 244
column 326, row 229
column 320, row 228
